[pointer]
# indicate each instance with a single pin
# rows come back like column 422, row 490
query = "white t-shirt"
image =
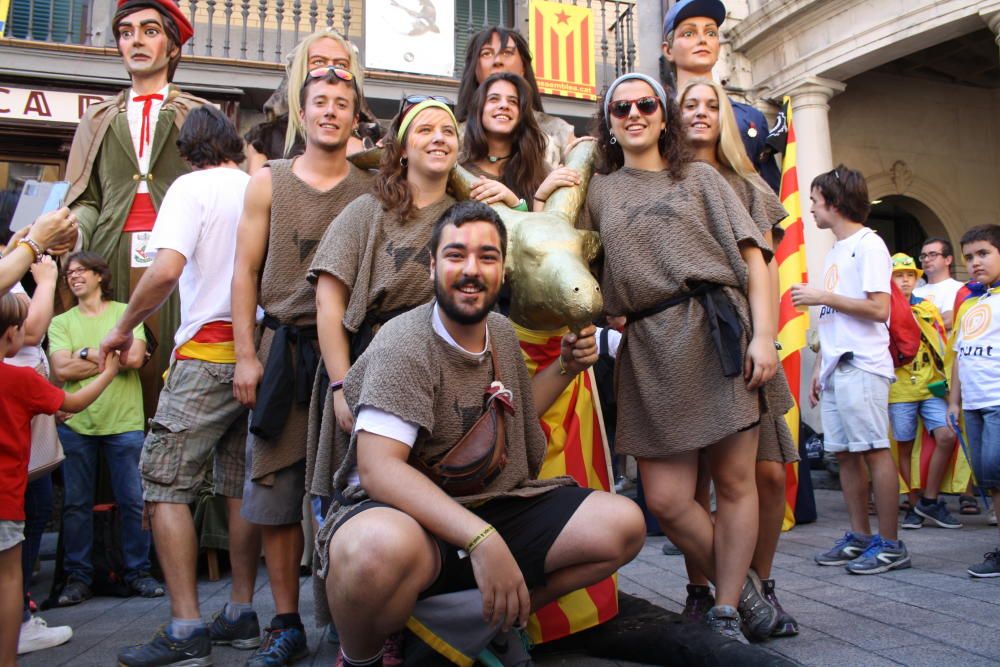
column 942, row 293
column 133, row 111
column 386, row 424
column 856, row 266
column 198, row 219
column 977, row 343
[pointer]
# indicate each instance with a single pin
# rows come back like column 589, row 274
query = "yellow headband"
column 412, row 112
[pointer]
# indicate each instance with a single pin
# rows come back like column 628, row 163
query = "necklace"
column 496, row 158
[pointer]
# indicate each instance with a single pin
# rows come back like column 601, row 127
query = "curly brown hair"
column 390, row 185
column 672, row 143
column 526, row 168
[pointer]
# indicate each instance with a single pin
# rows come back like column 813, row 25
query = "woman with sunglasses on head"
column 504, row 146
column 713, row 134
column 685, row 264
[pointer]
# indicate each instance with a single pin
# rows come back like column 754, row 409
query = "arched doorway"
column 904, row 222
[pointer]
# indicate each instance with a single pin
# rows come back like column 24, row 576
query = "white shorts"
column 855, row 410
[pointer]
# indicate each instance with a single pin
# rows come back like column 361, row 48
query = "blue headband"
column 635, row 76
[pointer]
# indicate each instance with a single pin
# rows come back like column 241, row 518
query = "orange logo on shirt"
column 832, row 277
column 976, row 321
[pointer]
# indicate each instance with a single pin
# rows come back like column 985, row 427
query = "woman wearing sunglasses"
column 685, row 264
column 713, row 134
column 504, row 146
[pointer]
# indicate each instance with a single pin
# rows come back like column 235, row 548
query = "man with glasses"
column 288, row 206
column 937, row 260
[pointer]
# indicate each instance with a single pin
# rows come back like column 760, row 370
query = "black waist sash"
column 723, row 322
column 280, row 383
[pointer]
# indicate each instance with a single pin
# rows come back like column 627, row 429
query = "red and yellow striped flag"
column 792, row 324
column 561, row 38
column 577, row 446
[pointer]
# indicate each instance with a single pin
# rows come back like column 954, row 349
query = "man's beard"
column 452, row 310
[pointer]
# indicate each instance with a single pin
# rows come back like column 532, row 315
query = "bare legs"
column 11, row 603
column 885, row 484
column 771, row 508
column 283, row 552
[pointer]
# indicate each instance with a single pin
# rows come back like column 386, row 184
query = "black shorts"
column 529, row 526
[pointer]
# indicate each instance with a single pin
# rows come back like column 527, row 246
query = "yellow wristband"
column 479, row 539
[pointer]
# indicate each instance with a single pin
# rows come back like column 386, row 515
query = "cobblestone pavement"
column 932, row 614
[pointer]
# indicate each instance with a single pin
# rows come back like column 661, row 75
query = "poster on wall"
column 416, row 36
column 561, row 37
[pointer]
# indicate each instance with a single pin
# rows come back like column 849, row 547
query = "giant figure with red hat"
column 124, row 157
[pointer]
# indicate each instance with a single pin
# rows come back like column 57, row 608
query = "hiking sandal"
column 74, row 592
column 968, row 505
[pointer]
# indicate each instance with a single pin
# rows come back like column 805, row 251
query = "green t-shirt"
column 119, row 407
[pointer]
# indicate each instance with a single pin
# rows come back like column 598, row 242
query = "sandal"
column 147, row 587
column 968, row 505
column 74, row 592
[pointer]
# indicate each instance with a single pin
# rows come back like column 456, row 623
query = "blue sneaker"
column 881, row 556
column 195, row 651
column 281, row 646
column 846, row 549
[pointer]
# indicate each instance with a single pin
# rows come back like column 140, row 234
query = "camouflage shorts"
column 198, row 422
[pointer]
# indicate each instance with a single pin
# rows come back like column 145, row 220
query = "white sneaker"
column 993, row 518
column 37, row 635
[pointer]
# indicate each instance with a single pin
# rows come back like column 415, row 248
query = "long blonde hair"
column 729, row 150
column 298, row 68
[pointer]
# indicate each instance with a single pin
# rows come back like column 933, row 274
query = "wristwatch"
column 83, row 353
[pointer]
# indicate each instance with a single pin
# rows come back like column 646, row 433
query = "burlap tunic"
column 658, row 235
column 409, row 371
column 775, row 442
column 385, row 263
column 300, row 215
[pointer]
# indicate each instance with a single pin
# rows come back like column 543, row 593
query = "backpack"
column 904, row 332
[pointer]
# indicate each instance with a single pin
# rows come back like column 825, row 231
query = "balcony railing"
column 266, row 30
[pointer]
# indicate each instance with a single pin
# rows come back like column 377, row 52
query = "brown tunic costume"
column 658, row 235
column 385, row 264
column 300, row 215
column 775, row 442
column 410, row 372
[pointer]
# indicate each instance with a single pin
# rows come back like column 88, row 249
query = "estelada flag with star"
column 561, row 38
column 576, row 446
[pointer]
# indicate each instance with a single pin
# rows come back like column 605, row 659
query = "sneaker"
column 993, row 518
column 670, row 549
column 699, row 601
column 786, row 625
column 195, row 651
column 846, row 549
column 281, row 646
column 990, row 567
column 37, row 635
column 392, row 650
column 912, row 520
column 511, row 648
column 759, row 617
column 880, row 556
column 937, row 512
column 243, row 633
column 74, row 592
column 725, row 620
column 147, row 587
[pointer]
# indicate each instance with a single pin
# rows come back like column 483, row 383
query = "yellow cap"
column 903, row 262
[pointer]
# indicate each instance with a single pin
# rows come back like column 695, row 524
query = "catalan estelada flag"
column 561, row 38
column 792, row 324
column 577, row 446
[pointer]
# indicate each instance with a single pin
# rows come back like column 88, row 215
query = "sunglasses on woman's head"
column 646, row 106
column 413, row 100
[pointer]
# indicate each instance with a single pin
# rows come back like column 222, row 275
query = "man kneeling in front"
column 438, row 492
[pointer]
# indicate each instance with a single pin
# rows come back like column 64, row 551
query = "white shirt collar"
column 441, row 331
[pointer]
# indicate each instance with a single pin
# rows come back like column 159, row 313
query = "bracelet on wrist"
column 336, row 386
column 30, row 244
column 562, row 366
column 479, row 538
column 521, row 205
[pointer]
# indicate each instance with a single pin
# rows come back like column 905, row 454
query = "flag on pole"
column 577, row 446
column 561, row 38
column 792, row 324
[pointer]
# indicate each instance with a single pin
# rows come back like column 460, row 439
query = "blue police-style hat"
column 713, row 9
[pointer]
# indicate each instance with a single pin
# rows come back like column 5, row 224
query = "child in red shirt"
column 24, row 395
